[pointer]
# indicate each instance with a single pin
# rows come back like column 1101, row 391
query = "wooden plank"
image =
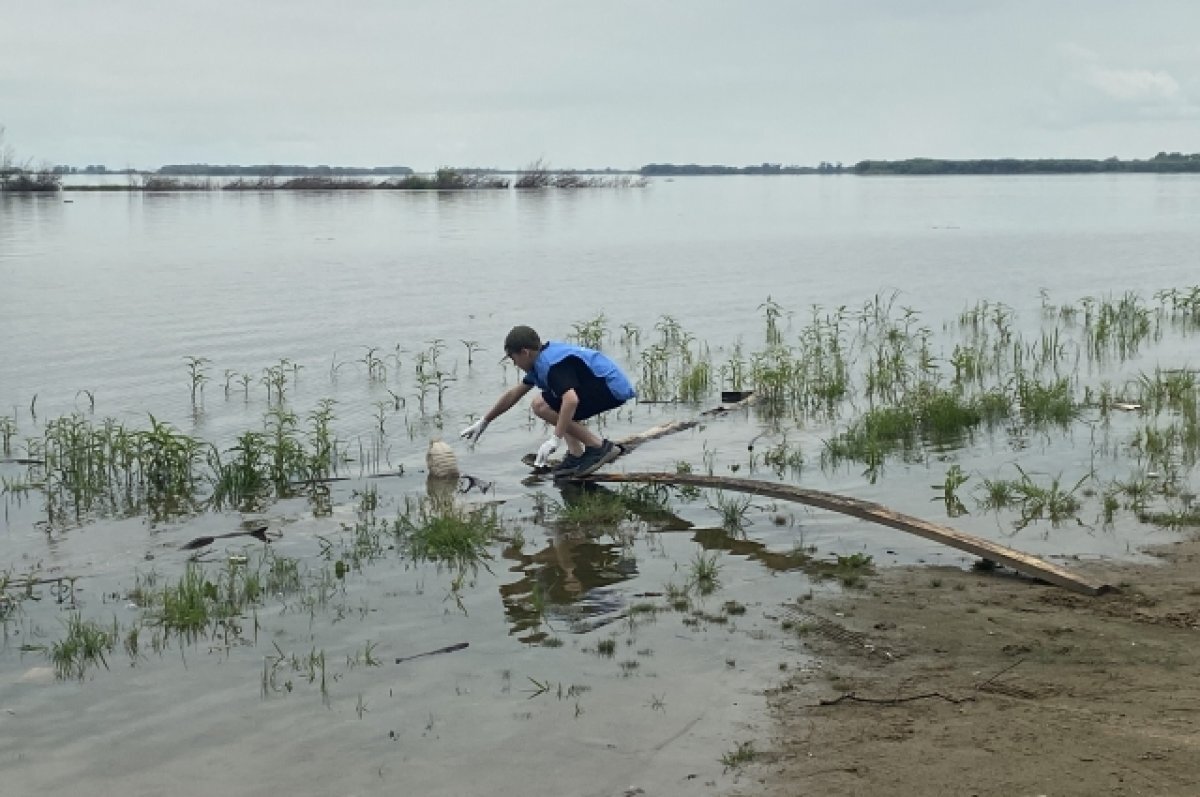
column 875, row 513
column 632, row 441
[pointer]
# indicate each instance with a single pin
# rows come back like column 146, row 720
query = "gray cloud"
column 617, row 83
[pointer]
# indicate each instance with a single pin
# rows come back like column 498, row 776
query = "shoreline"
column 936, row 680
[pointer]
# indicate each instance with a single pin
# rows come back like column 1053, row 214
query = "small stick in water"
column 447, row 649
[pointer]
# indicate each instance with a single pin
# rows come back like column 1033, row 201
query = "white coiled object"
column 441, row 461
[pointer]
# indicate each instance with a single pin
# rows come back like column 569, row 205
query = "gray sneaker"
column 568, row 466
column 594, row 458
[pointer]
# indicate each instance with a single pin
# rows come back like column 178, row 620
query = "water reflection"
column 723, row 540
column 29, row 225
column 571, row 584
column 567, row 583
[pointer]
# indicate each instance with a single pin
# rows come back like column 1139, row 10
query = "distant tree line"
column 16, row 175
column 277, row 170
column 672, row 169
column 89, row 169
column 1162, row 162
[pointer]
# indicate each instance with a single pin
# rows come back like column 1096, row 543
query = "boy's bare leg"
column 577, row 435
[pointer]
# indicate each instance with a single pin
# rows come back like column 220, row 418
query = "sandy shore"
column 938, row 681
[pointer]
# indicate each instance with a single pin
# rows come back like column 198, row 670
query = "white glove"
column 474, row 431
column 543, row 454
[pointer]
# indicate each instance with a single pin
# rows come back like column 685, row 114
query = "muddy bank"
column 939, row 681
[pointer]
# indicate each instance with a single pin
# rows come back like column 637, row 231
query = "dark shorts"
column 594, row 398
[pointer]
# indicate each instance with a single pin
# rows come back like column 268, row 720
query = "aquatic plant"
column 196, row 374
column 695, row 383
column 430, row 376
column 772, row 311
column 704, row 573
column 275, row 379
column 184, row 607
column 82, row 648
column 851, row 569
column 655, row 384
column 649, row 502
column 445, row 532
column 996, row 494
column 733, row 371
column 590, row 333
column 1051, row 403
column 243, row 478
column 590, row 507
column 8, row 430
column 167, row 458
column 955, row 478
column 733, row 509
column 375, row 365
column 286, row 459
column 1174, row 519
column 472, row 347
column 280, row 575
column 1116, row 327
column 737, row 758
column 322, row 460
column 1052, row 502
column 1174, row 389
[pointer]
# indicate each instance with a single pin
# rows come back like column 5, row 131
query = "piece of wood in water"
column 447, row 649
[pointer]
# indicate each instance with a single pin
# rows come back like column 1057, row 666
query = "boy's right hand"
column 474, row 431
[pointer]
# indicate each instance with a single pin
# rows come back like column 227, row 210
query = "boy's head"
column 522, row 345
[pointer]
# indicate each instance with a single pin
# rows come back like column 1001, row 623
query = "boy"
column 576, row 383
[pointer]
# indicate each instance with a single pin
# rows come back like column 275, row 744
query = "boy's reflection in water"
column 565, row 581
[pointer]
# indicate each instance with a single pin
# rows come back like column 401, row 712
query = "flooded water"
column 104, row 297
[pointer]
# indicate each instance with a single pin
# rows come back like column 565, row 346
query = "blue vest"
column 600, row 365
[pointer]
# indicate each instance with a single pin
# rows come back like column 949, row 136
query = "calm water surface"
column 103, row 296
column 110, row 292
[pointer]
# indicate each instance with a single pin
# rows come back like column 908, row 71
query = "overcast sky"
column 425, row 83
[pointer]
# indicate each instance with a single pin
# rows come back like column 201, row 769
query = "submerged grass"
column 187, row 606
column 1175, row 519
column 930, row 416
column 650, row 502
column 1032, row 500
column 85, row 468
column 704, row 573
column 83, row 647
column 741, row 755
column 1051, row 403
column 445, row 532
column 733, row 509
column 587, row 507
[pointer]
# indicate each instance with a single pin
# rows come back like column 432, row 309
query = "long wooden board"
column 875, row 513
column 632, row 441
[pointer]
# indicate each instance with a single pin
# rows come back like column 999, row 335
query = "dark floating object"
column 447, row 649
column 258, row 532
column 733, row 396
column 468, row 483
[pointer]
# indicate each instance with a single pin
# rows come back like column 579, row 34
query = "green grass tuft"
column 83, row 647
column 447, row 533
